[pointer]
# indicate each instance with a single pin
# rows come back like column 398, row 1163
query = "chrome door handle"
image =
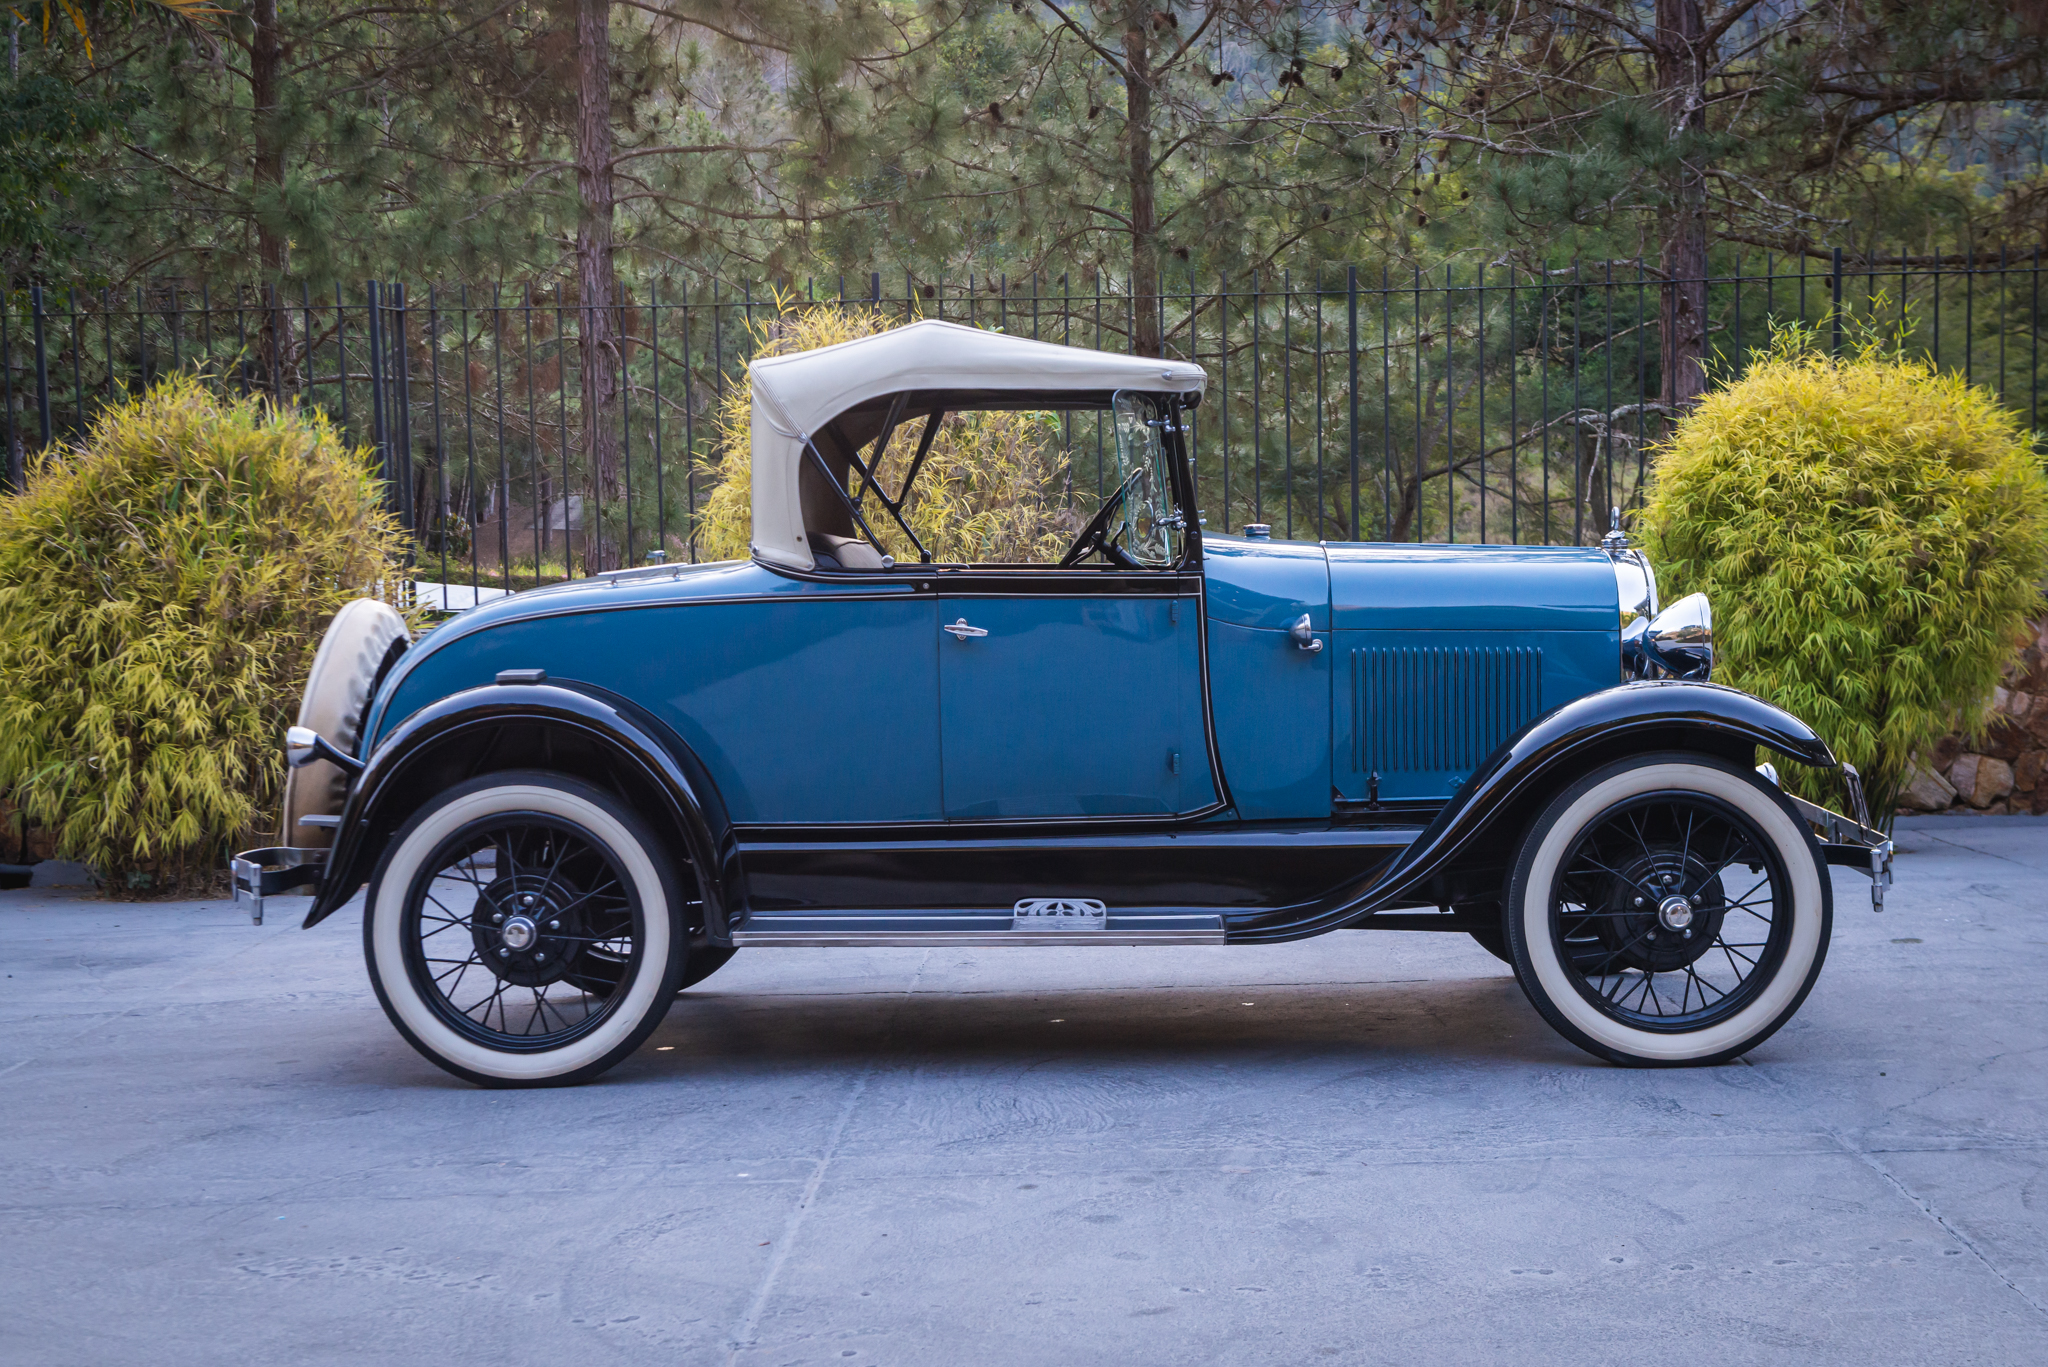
column 1304, row 635
column 961, row 631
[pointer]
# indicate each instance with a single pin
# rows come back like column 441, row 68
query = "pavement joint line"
column 745, row 1336
column 1988, row 854
column 1927, row 1208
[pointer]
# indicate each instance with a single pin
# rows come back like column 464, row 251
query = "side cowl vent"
column 1439, row 709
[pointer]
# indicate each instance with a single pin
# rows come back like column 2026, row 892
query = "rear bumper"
column 272, row 871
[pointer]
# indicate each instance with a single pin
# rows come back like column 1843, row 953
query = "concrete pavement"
column 1361, row 1148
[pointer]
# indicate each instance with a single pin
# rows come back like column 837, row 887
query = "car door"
column 1077, row 692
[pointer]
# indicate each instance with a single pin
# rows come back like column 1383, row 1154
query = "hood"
column 1362, row 586
column 1377, row 587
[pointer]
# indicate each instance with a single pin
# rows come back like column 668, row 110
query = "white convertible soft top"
column 797, row 394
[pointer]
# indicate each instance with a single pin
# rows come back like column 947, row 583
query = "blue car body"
column 1166, row 742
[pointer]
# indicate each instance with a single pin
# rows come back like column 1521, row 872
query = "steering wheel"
column 1091, row 537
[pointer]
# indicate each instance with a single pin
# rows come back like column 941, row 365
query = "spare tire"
column 363, row 637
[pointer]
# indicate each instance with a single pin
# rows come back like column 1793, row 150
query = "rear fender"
column 560, row 725
column 1485, row 818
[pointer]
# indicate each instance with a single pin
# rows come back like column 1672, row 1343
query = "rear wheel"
column 1668, row 910
column 521, row 931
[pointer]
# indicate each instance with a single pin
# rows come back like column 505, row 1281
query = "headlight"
column 1677, row 643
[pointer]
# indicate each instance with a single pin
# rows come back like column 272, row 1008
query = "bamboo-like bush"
column 162, row 588
column 1873, row 535
column 993, row 487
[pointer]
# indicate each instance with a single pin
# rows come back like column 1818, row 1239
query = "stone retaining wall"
column 2005, row 770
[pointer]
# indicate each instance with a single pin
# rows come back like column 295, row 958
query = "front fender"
column 462, row 728
column 1504, row 793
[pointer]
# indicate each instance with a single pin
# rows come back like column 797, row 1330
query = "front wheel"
column 521, row 931
column 1668, row 910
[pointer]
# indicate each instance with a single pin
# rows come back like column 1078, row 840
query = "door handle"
column 961, row 631
column 1304, row 635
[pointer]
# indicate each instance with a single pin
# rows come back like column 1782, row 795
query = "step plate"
column 975, row 928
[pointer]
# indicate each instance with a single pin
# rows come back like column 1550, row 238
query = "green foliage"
column 46, row 126
column 162, row 589
column 991, row 488
column 1873, row 535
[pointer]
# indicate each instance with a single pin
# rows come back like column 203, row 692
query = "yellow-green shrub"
column 991, row 489
column 162, row 588
column 1873, row 535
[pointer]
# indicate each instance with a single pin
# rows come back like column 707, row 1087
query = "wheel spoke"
column 552, row 873
column 1641, row 852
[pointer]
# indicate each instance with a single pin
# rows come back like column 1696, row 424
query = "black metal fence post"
column 1351, row 391
column 35, row 300
column 379, row 430
column 1835, row 293
column 12, row 456
column 401, row 406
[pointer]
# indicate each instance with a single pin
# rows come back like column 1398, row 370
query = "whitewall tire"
column 1669, row 909
column 520, row 932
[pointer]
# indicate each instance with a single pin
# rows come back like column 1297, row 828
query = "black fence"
column 1464, row 403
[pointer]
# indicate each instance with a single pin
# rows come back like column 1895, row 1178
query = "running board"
column 871, row 930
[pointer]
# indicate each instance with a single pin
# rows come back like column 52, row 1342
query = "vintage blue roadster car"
column 573, row 803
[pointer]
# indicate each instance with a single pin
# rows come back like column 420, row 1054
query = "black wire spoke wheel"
column 1670, row 911
column 518, row 930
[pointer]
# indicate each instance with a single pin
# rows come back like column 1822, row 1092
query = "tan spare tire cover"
column 337, row 693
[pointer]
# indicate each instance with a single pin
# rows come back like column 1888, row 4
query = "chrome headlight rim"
column 1678, row 643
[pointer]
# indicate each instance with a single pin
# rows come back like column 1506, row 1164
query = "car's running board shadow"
column 814, row 930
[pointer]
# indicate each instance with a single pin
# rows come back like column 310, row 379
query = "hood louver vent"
column 1440, row 709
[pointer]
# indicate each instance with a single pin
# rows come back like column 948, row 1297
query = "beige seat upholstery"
column 849, row 553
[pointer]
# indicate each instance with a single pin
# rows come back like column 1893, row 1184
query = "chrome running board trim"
column 930, row 929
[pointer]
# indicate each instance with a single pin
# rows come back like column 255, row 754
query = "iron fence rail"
column 1465, row 402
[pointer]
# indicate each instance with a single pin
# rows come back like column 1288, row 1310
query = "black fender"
column 1495, row 804
column 461, row 735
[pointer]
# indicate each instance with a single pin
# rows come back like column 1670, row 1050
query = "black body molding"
column 563, row 725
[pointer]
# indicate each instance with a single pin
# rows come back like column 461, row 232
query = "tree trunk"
column 597, row 282
column 273, row 244
column 1145, row 338
column 1681, row 65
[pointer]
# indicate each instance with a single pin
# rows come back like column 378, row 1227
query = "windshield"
column 1151, row 524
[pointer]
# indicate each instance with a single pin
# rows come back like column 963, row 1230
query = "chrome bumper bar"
column 1852, row 842
column 276, row 869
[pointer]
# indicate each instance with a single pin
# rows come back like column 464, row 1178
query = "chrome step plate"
column 1059, row 913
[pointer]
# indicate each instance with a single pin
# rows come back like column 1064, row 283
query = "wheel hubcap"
column 528, row 929
column 1675, row 912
